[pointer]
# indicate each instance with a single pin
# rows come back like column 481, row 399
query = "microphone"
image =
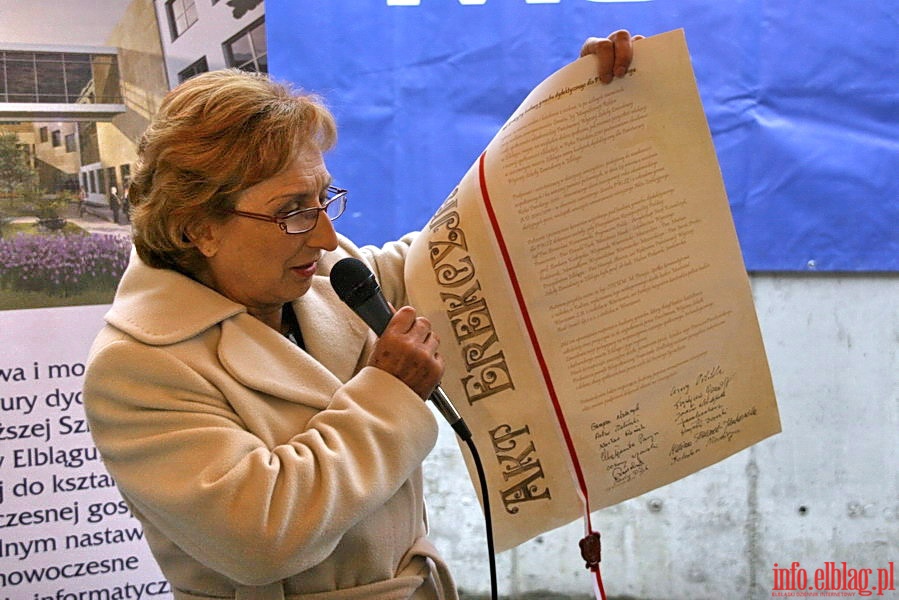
column 356, row 285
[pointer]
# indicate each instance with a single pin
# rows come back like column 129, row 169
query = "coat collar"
column 332, row 333
column 337, row 342
column 161, row 307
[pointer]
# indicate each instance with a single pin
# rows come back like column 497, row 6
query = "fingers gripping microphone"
column 356, row 285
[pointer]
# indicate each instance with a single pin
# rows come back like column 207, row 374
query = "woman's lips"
column 307, row 270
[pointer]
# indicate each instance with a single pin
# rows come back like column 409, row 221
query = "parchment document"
column 591, row 298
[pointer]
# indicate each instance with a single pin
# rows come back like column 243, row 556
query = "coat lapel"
column 261, row 358
column 333, row 334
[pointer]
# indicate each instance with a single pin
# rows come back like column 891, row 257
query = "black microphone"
column 356, row 285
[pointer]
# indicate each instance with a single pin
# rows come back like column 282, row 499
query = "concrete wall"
column 825, row 489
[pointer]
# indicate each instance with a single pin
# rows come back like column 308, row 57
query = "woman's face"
column 255, row 263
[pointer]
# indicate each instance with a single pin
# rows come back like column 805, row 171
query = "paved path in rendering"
column 90, row 224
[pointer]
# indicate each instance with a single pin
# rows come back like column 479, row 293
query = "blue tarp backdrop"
column 802, row 100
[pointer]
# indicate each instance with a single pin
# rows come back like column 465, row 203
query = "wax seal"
column 591, row 550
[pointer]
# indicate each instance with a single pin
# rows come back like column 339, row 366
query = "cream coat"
column 259, row 470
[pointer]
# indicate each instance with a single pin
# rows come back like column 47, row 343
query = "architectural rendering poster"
column 80, row 81
column 63, row 526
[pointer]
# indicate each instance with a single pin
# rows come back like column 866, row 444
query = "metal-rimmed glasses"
column 303, row 220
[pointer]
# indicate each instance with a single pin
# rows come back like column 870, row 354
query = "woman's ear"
column 203, row 236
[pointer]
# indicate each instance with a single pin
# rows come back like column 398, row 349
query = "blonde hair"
column 214, row 136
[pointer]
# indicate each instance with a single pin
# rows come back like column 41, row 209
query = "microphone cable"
column 355, row 285
column 464, row 434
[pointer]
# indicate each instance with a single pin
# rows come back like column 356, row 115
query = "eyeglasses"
column 303, row 220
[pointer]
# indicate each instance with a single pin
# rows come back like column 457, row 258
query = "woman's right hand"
column 408, row 350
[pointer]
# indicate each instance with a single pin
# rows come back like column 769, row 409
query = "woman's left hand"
column 614, row 52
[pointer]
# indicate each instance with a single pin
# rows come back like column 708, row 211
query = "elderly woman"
column 269, row 444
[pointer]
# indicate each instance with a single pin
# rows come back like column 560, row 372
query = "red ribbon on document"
column 590, row 544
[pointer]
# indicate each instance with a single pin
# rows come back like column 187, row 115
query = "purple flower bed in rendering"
column 61, row 265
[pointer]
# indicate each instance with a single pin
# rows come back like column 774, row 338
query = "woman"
column 270, row 445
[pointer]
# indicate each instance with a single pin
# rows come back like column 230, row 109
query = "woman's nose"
column 323, row 235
